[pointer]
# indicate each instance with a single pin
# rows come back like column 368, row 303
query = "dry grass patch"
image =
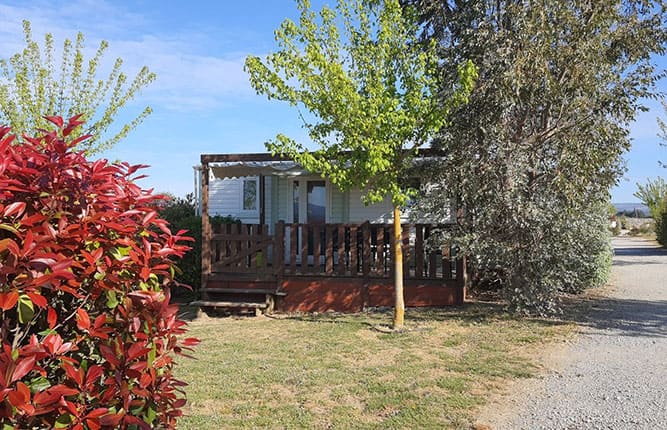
column 337, row 371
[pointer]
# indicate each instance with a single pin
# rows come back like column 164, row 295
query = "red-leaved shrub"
column 88, row 334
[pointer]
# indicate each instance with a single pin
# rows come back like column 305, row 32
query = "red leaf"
column 94, row 373
column 20, row 398
column 112, row 420
column 96, row 413
column 137, row 350
column 22, row 368
column 8, row 300
column 56, row 120
column 15, row 208
column 38, row 299
column 51, row 317
column 73, row 374
column 11, row 245
column 149, row 216
column 145, row 273
column 99, row 321
column 82, row 319
column 191, row 341
column 109, row 355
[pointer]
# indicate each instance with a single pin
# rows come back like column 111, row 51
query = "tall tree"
column 369, row 87
column 663, row 131
column 34, row 85
column 542, row 139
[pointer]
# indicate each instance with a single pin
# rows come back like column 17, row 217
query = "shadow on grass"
column 473, row 312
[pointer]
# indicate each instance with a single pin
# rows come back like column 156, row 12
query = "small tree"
column 33, row 84
column 88, row 334
column 654, row 195
column 370, row 89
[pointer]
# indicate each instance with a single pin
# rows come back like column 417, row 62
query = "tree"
column 33, row 85
column 654, row 195
column 369, row 87
column 663, row 130
column 542, row 138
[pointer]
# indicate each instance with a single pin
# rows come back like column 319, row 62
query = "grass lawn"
column 343, row 371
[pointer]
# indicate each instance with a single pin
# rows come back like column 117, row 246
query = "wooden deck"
column 319, row 267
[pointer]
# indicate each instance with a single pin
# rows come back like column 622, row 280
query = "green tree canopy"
column 542, row 139
column 654, row 195
column 33, row 84
column 369, row 91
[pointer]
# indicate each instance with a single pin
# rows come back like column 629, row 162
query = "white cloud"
column 186, row 81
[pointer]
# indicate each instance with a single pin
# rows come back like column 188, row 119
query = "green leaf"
column 64, row 420
column 8, row 228
column 115, row 253
column 39, row 384
column 26, row 309
column 151, row 355
column 112, row 299
column 150, row 414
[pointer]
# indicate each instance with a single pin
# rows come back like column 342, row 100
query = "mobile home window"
column 250, row 194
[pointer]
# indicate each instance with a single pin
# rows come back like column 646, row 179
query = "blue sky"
column 202, row 100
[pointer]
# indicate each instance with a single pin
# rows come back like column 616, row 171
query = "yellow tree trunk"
column 399, row 304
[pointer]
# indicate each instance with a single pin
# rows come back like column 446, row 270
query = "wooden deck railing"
column 330, row 250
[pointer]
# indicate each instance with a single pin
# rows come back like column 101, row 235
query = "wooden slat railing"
column 243, row 248
column 330, row 250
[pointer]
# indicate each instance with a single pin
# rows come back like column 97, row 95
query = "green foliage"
column 542, row 138
column 654, row 195
column 661, row 227
column 34, row 84
column 646, row 228
column 369, row 88
column 663, row 131
column 181, row 214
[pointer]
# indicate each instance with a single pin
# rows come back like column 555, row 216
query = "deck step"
column 220, row 304
column 244, row 291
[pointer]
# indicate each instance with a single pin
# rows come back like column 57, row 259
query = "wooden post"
column 206, row 230
column 399, row 303
column 341, row 249
column 419, row 251
column 279, row 253
column 262, row 202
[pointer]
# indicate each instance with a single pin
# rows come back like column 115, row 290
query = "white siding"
column 383, row 212
column 377, row 213
column 225, row 197
column 338, row 205
column 283, row 199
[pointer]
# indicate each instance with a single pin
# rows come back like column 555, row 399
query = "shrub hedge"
column 88, row 332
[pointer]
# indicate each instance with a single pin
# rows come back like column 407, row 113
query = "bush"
column 661, row 227
column 88, row 333
column 643, row 229
column 181, row 214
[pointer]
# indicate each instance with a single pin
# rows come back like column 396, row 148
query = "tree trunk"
column 399, row 304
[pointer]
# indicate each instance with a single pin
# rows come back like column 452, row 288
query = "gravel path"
column 614, row 376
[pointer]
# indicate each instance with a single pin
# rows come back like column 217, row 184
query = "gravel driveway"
column 614, row 376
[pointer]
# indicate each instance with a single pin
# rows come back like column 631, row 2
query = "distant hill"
column 635, row 208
